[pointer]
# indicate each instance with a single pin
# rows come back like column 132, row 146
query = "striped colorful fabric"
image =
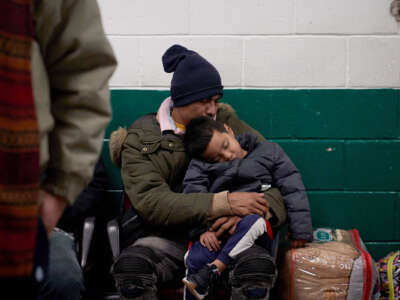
column 19, row 141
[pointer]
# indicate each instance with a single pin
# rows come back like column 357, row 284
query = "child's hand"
column 209, row 240
column 297, row 243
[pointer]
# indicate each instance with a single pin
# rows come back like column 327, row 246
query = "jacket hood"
column 117, row 138
column 226, row 106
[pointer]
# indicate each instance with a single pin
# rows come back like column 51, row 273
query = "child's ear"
column 230, row 131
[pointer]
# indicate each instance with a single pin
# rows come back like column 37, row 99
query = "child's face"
column 223, row 146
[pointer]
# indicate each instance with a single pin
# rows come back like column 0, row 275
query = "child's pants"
column 250, row 230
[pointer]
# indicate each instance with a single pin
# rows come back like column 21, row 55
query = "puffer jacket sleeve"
column 196, row 179
column 79, row 61
column 288, row 179
column 147, row 187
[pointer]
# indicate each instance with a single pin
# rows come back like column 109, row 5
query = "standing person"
column 220, row 161
column 55, row 64
column 153, row 163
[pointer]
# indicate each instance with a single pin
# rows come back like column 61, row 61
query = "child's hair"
column 198, row 135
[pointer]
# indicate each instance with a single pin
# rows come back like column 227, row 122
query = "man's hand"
column 51, row 208
column 244, row 203
column 297, row 243
column 209, row 240
column 224, row 224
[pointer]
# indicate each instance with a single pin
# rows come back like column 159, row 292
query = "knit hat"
column 194, row 77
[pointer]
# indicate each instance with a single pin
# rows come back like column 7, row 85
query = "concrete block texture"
column 140, row 59
column 127, row 51
column 344, row 17
column 152, row 51
column 294, row 62
column 258, row 43
column 242, row 17
column 141, row 17
column 225, row 54
column 374, row 62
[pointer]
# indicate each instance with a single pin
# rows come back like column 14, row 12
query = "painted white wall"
column 258, row 43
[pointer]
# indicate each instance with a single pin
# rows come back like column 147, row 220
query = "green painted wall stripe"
column 290, row 113
column 379, row 250
column 319, row 113
column 129, row 105
column 346, row 144
column 375, row 215
column 349, row 165
column 322, row 118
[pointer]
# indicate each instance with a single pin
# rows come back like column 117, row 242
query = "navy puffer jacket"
column 265, row 163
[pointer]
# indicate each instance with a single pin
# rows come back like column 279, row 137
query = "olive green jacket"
column 72, row 62
column 153, row 167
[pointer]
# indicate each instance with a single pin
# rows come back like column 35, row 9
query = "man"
column 54, row 70
column 153, row 161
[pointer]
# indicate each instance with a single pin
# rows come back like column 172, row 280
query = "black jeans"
column 65, row 278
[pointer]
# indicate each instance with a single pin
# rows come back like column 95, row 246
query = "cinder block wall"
column 320, row 77
column 265, row 44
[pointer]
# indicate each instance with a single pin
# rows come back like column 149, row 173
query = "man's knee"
column 254, row 268
column 134, row 272
column 253, row 275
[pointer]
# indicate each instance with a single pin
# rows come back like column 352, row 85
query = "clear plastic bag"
column 336, row 267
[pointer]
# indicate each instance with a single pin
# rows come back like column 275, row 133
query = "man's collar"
column 165, row 119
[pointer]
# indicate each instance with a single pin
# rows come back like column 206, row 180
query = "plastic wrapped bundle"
column 337, row 269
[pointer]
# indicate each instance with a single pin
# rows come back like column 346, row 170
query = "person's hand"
column 297, row 243
column 224, row 224
column 209, row 240
column 245, row 203
column 51, row 208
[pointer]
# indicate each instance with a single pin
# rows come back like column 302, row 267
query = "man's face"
column 206, row 107
column 223, row 146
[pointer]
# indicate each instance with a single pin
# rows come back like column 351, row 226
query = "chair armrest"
column 275, row 246
column 87, row 234
column 113, row 237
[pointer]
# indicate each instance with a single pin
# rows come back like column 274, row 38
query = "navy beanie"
column 194, row 77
